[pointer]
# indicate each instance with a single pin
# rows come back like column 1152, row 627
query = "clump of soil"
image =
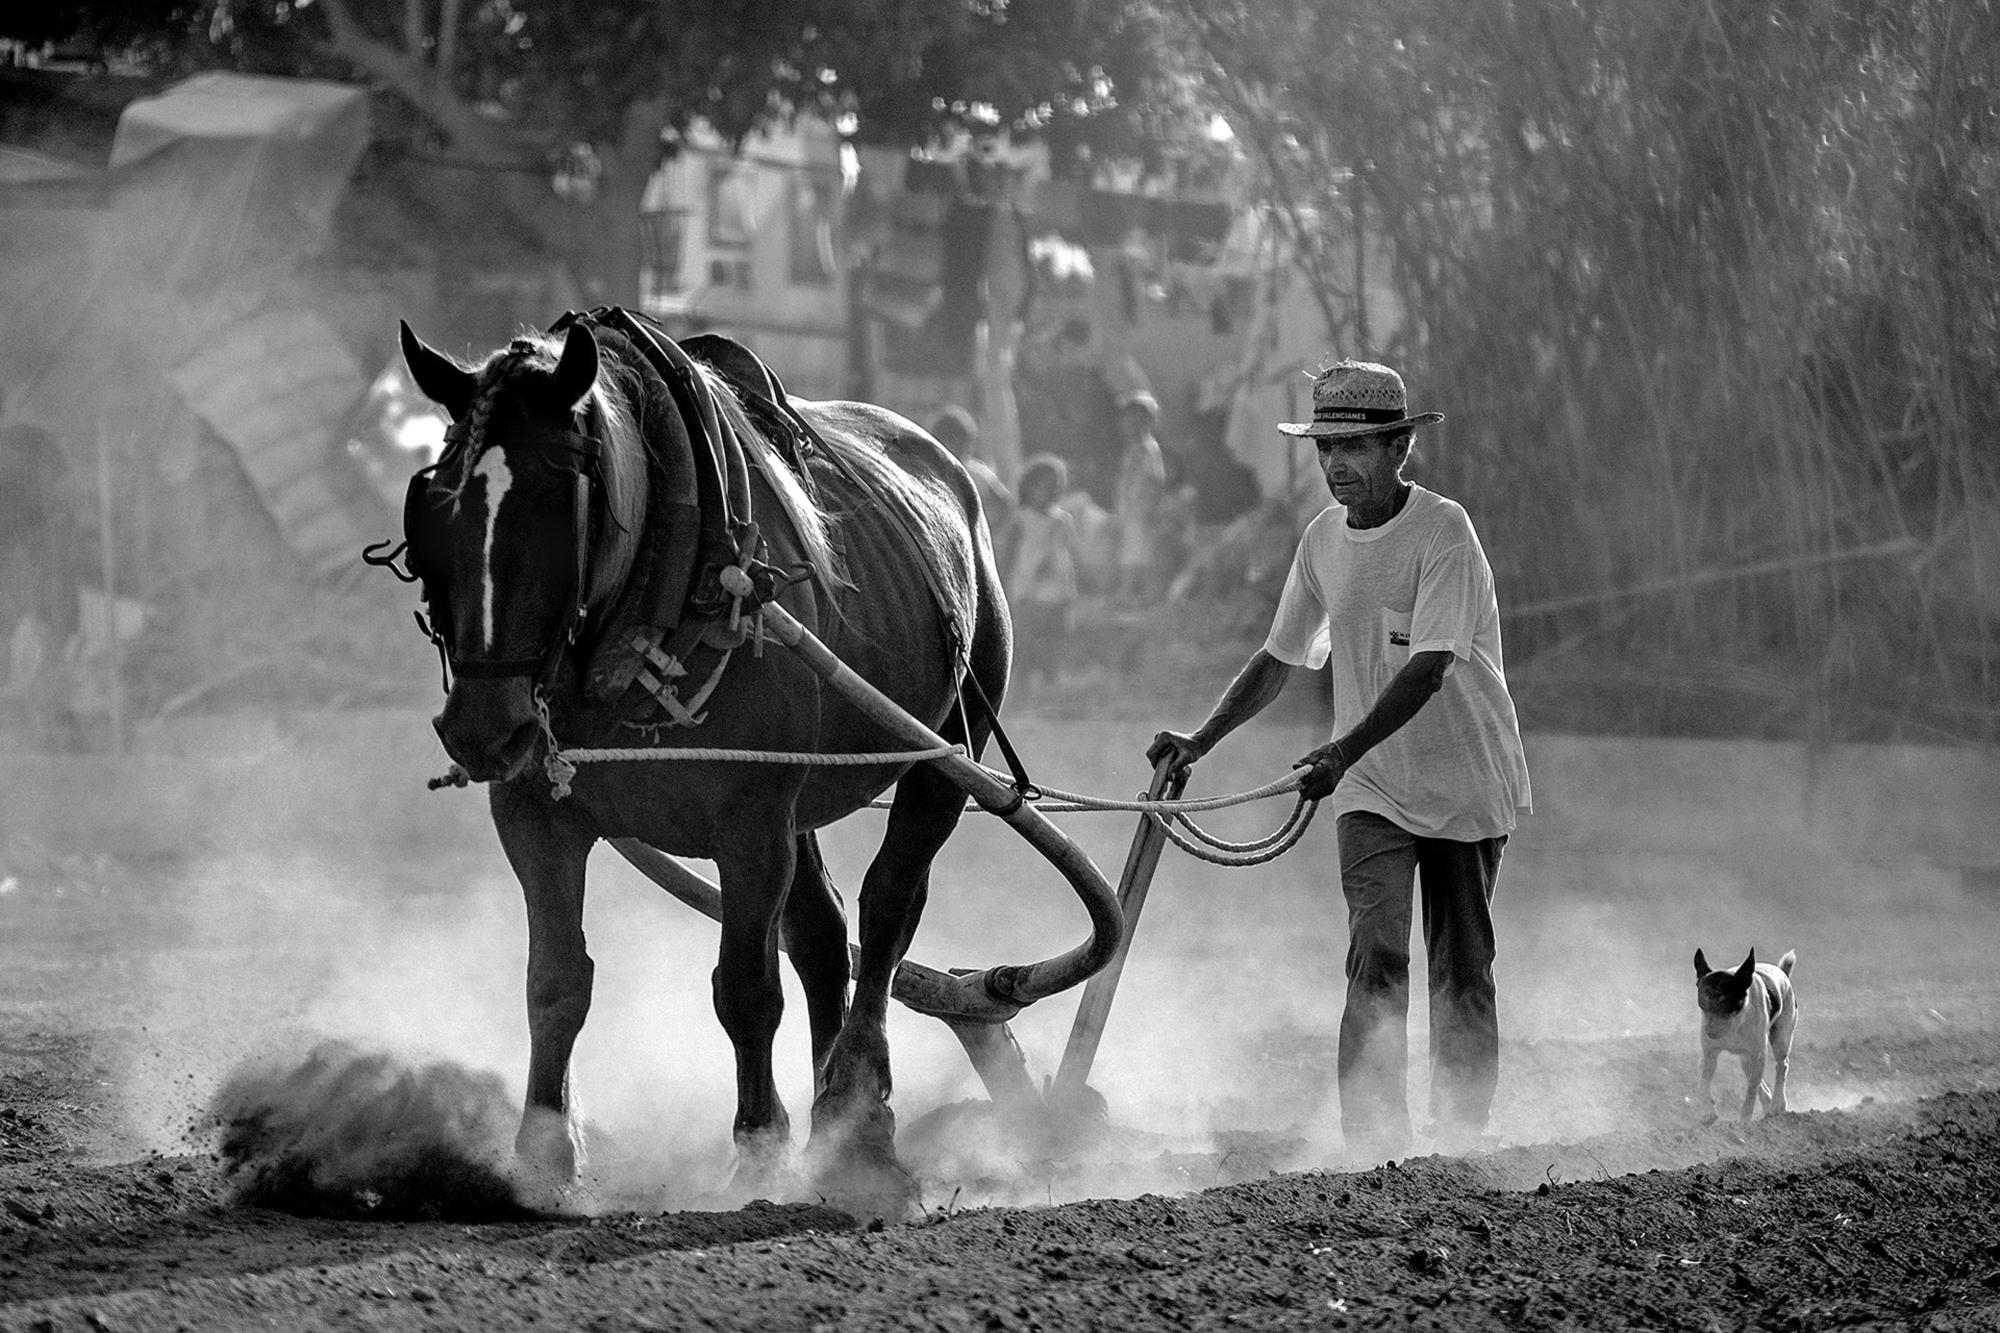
column 353, row 1134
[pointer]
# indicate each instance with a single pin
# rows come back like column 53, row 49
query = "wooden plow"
column 978, row 1004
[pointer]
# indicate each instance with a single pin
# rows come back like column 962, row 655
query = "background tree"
column 1710, row 294
column 529, row 86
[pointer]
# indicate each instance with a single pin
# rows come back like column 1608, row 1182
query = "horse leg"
column 854, row 1130
column 549, row 858
column 756, row 868
column 815, row 930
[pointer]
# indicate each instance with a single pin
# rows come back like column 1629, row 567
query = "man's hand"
column 1327, row 763
column 1184, row 749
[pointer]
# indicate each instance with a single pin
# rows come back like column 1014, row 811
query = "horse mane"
column 809, row 520
column 612, row 412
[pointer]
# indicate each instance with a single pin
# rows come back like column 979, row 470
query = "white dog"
column 1751, row 1013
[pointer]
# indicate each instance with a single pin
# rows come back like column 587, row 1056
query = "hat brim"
column 1343, row 429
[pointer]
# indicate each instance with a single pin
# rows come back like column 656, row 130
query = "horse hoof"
column 763, row 1167
column 854, row 1166
column 868, row 1185
column 548, row 1146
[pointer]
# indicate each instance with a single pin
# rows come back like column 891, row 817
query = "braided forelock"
column 612, row 422
column 494, row 375
column 501, row 370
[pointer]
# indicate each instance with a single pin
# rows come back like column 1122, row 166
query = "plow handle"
column 1095, row 1008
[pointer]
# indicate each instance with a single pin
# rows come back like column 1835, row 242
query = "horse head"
column 510, row 532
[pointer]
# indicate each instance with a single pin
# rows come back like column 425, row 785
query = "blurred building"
column 749, row 243
column 202, row 283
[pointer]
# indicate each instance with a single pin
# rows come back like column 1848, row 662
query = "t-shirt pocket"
column 1396, row 636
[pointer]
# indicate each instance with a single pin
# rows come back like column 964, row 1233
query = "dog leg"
column 1753, row 1077
column 1781, row 1055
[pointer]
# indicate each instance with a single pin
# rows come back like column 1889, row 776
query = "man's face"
column 1361, row 470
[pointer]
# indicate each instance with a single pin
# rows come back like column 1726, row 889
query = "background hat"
column 1138, row 398
column 1358, row 398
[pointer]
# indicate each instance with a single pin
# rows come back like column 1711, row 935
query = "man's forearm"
column 1260, row 681
column 1407, row 692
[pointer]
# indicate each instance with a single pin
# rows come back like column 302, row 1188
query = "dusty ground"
column 130, row 992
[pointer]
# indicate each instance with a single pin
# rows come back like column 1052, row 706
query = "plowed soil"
column 1215, row 1194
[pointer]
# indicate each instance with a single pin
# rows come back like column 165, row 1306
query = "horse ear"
column 442, row 380
column 576, row 369
column 1749, row 966
column 1700, row 965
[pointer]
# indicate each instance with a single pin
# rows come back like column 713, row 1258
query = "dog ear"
column 1700, row 965
column 1749, row 968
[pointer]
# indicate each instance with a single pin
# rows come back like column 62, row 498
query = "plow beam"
column 989, row 1043
column 993, row 994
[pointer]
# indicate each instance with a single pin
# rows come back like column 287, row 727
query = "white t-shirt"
column 1362, row 601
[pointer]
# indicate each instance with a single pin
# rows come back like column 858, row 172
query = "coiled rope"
column 1205, row 846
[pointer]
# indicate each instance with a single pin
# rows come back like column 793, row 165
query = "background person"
column 39, row 551
column 1390, row 589
column 1139, row 496
column 957, row 430
column 1039, row 569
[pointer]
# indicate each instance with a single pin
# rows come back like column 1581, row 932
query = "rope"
column 1240, row 854
column 1301, row 812
column 1057, row 801
column 713, row 754
column 1146, row 805
column 1196, row 841
column 1054, row 800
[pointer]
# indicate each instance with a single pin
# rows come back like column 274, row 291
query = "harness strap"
column 1024, row 786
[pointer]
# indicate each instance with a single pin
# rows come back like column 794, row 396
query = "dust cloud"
column 1217, row 1063
column 346, row 1133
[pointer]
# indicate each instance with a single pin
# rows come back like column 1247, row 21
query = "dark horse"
column 525, row 568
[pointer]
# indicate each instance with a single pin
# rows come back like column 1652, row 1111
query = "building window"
column 732, row 272
column 663, row 238
column 730, row 206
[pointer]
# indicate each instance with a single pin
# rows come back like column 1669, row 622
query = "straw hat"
column 1358, row 398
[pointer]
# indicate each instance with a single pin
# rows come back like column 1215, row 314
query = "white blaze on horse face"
column 492, row 469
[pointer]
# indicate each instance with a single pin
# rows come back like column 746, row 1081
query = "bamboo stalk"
column 1703, row 577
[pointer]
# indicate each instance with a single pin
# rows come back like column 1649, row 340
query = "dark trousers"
column 1380, row 865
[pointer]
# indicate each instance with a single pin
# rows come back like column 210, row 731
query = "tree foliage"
column 1082, row 71
column 528, row 80
column 1704, row 288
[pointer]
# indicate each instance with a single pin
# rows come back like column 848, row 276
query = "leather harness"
column 684, row 603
